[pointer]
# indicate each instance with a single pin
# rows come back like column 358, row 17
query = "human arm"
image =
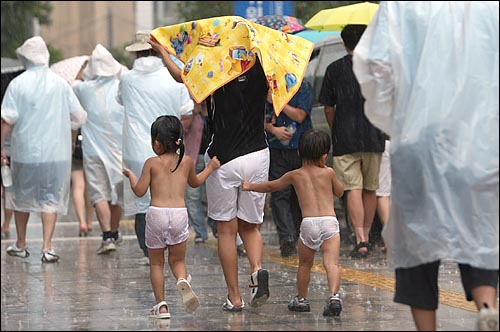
column 267, row 186
column 174, row 70
column 338, row 187
column 5, row 126
column 329, row 115
column 195, row 180
column 140, row 186
column 79, row 75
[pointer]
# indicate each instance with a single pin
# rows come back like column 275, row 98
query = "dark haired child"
column 166, row 176
column 316, row 185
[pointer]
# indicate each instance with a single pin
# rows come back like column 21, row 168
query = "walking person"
column 166, row 176
column 316, row 185
column 146, row 92
column 357, row 145
column 442, row 117
column 79, row 191
column 102, row 147
column 42, row 110
column 283, row 147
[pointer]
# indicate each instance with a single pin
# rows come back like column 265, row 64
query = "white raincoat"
column 429, row 73
column 41, row 109
column 147, row 91
column 102, row 133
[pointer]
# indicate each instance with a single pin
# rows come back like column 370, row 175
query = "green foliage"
column 56, row 54
column 16, row 22
column 122, row 56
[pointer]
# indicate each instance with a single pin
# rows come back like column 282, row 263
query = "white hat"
column 101, row 63
column 141, row 42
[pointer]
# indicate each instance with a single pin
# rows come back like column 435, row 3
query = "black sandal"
column 355, row 253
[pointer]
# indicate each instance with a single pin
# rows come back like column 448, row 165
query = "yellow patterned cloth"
column 219, row 49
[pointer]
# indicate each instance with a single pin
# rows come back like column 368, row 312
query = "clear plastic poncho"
column 102, row 132
column 429, row 73
column 146, row 92
column 41, row 109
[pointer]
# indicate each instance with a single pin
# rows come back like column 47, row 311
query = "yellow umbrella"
column 219, row 49
column 335, row 19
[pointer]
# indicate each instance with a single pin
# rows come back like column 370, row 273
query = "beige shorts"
column 358, row 170
column 166, row 227
column 316, row 230
column 225, row 198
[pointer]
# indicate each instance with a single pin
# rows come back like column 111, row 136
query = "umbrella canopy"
column 10, row 65
column 315, row 36
column 335, row 19
column 288, row 24
column 219, row 49
column 68, row 68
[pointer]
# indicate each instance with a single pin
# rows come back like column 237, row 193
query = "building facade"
column 78, row 26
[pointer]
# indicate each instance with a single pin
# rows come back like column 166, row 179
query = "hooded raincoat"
column 429, row 73
column 102, row 133
column 146, row 92
column 41, row 109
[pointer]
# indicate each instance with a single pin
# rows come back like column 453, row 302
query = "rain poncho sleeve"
column 429, row 73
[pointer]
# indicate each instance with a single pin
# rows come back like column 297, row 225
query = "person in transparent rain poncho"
column 40, row 110
column 429, row 73
column 147, row 91
column 102, row 146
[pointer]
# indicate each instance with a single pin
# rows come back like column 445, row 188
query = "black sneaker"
column 259, row 285
column 333, row 306
column 299, row 305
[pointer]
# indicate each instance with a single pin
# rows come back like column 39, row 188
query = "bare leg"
column 177, row 260
column 90, row 210
column 226, row 246
column 78, row 194
column 331, row 251
column 252, row 240
column 103, row 215
column 425, row 320
column 157, row 276
column 357, row 215
column 484, row 294
column 116, row 214
column 369, row 207
column 49, row 225
column 21, row 219
column 383, row 208
column 306, row 260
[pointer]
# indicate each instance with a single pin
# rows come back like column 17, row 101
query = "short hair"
column 351, row 34
column 313, row 144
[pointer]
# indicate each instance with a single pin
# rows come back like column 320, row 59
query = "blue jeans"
column 140, row 232
column 194, row 205
column 284, row 203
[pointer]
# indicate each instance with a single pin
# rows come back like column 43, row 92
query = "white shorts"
column 384, row 189
column 225, row 199
column 316, row 230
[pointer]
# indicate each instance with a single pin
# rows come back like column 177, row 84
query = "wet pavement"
column 85, row 291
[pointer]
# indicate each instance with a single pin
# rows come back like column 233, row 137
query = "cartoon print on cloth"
column 219, row 49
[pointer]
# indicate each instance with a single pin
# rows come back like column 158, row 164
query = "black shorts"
column 418, row 286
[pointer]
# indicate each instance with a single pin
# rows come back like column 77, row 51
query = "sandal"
column 155, row 312
column 355, row 253
column 189, row 298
